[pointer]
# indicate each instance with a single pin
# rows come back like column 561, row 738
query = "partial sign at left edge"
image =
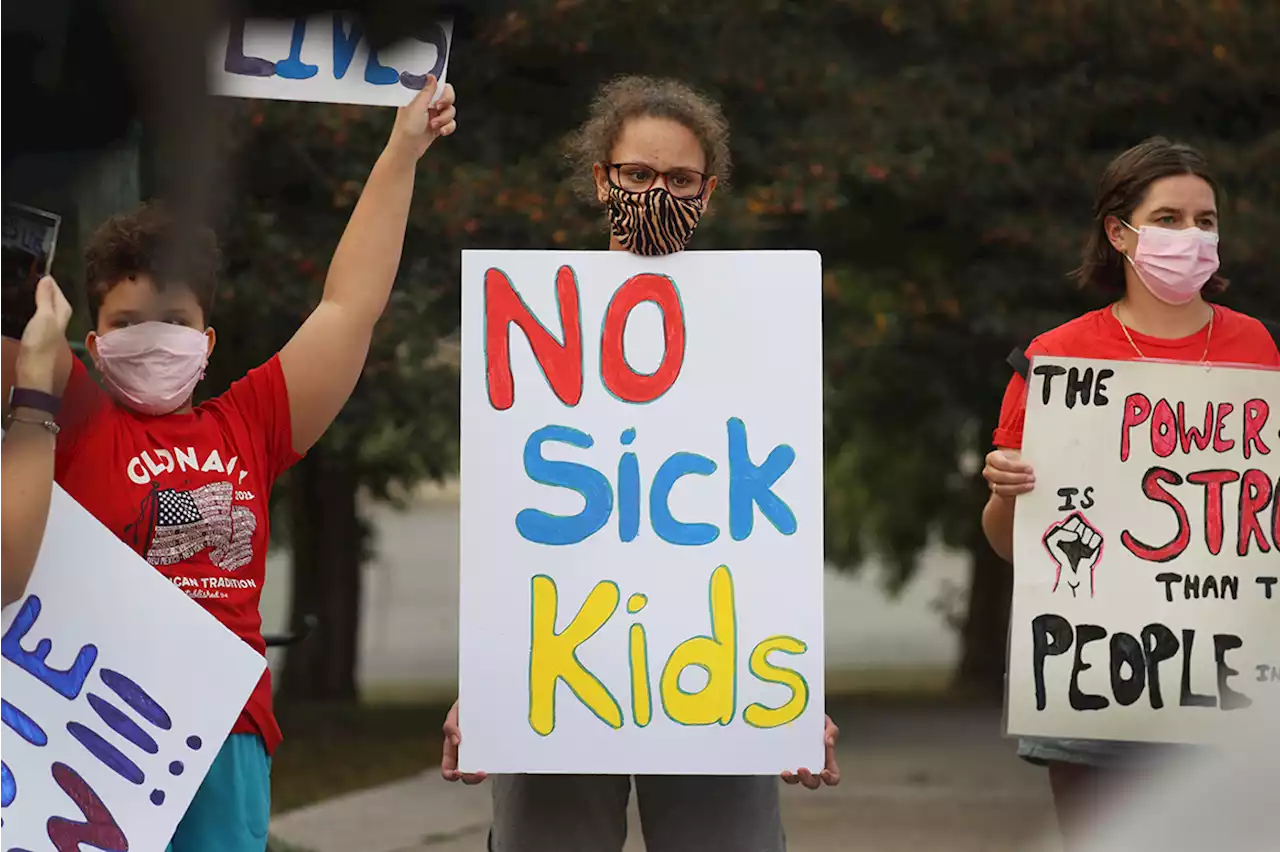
column 118, row 691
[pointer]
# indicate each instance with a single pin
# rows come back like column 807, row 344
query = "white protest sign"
column 118, row 692
column 325, row 58
column 1145, row 604
column 641, row 541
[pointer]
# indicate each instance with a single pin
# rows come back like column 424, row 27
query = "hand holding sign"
column 449, row 761
column 44, row 337
column 421, row 122
column 1007, row 475
column 1074, row 545
column 830, row 774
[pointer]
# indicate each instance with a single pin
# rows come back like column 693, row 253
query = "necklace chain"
column 1115, row 310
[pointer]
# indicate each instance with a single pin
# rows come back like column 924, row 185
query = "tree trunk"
column 985, row 634
column 327, row 538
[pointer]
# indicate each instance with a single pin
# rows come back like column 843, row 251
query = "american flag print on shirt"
column 189, row 522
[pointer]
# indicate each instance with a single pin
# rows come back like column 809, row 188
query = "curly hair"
column 631, row 97
column 152, row 241
column 1122, row 190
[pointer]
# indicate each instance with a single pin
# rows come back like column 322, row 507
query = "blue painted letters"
column 544, row 528
column 749, row 485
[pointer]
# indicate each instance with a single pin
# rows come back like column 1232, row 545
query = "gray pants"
column 678, row 813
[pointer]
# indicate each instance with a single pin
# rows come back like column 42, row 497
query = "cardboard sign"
column 325, row 58
column 641, row 505
column 1146, row 605
column 118, row 691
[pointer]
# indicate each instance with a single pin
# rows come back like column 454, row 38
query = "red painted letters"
column 624, row 382
column 561, row 363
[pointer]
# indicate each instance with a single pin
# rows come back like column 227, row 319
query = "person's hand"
column 453, row 739
column 830, row 774
column 422, row 122
column 44, row 337
column 1007, row 474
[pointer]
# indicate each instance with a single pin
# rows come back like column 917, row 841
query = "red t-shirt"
column 189, row 493
column 1236, row 339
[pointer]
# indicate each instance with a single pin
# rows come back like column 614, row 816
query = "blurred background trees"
column 941, row 156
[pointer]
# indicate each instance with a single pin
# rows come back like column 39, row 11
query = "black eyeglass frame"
column 702, row 189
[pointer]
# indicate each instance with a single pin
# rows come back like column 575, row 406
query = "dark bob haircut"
column 1122, row 190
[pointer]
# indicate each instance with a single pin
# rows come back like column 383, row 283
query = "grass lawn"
column 331, row 750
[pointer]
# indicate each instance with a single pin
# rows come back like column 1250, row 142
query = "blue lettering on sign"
column 22, row 724
column 8, row 786
column 750, row 485
column 348, row 33
column 667, row 527
column 435, row 36
column 98, row 829
column 235, row 60
column 545, row 528
column 344, row 50
column 66, row 682
column 292, row 67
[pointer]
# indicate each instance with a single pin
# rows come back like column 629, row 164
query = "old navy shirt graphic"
column 189, row 493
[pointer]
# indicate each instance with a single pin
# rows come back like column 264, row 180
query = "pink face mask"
column 1174, row 264
column 153, row 367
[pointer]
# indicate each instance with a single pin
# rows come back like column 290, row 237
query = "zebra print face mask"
column 654, row 222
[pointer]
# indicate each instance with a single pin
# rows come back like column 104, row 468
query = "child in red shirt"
column 187, row 487
column 1154, row 247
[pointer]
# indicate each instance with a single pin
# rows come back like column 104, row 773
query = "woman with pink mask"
column 187, row 486
column 1153, row 249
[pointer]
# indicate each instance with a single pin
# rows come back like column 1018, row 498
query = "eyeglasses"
column 637, row 177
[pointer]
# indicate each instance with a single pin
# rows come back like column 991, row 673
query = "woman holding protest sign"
column 188, row 486
column 651, row 155
column 1154, row 249
column 31, row 435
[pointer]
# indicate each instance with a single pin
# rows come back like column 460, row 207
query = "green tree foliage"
column 941, row 155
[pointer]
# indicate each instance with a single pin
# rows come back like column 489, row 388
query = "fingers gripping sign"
column 430, row 115
column 1007, row 475
column 449, row 761
column 46, row 333
column 830, row 774
column 1074, row 544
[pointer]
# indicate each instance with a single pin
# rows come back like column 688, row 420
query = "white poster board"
column 118, row 692
column 641, row 540
column 325, row 58
column 1146, row 605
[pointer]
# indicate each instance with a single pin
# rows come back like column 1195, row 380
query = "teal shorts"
column 232, row 808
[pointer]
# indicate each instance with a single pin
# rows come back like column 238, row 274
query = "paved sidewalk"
column 913, row 779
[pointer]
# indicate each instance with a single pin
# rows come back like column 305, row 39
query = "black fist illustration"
column 1076, row 546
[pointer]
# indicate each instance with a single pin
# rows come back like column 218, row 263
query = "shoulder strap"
column 1018, row 360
